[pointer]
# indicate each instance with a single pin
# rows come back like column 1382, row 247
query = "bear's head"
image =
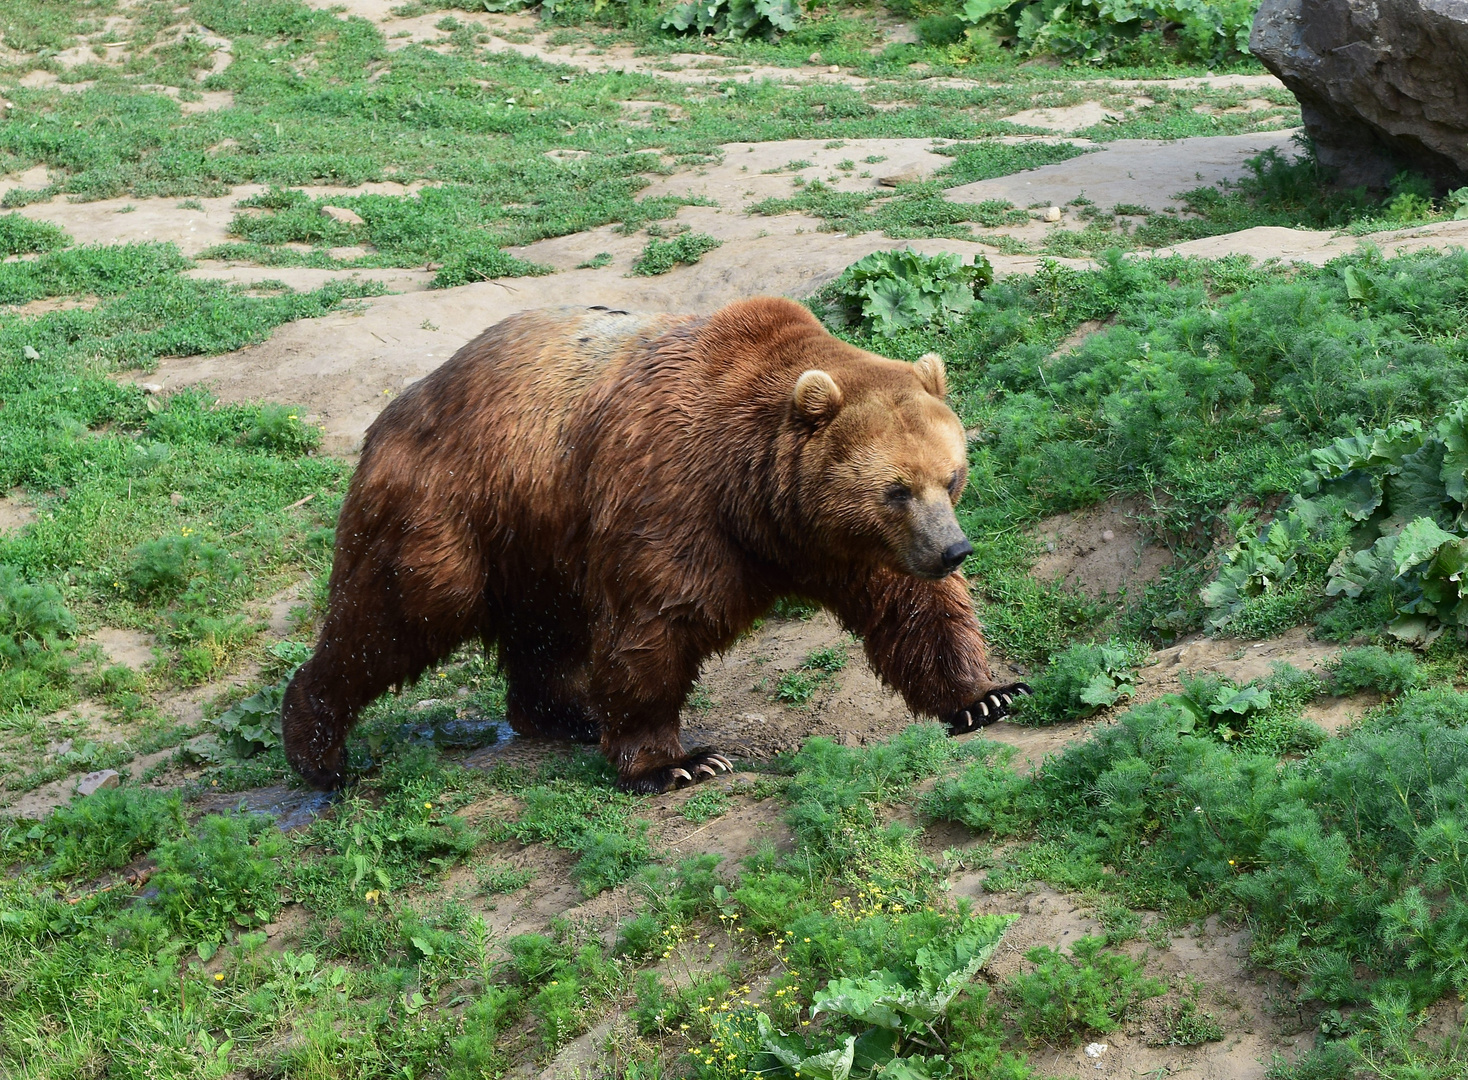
column 883, row 463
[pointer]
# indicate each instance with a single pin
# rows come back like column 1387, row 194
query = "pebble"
column 1108, row 536
column 1052, row 214
column 63, row 747
column 96, row 781
column 343, row 215
column 176, row 499
column 834, row 68
column 151, row 387
column 1095, row 1050
column 815, row 58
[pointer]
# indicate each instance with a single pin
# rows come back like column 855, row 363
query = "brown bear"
column 608, row 498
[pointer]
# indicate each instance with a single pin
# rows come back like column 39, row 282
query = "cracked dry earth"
column 342, row 368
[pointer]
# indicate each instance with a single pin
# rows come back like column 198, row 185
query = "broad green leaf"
column 892, row 305
column 1376, row 452
column 978, row 10
column 869, row 1000
column 1360, row 288
column 830, row 1065
column 1416, row 490
column 913, row 1068
column 1418, row 542
column 1352, row 573
column 1100, row 691
column 1241, row 702
column 1452, row 429
column 1418, row 630
column 1359, row 492
column 874, row 1048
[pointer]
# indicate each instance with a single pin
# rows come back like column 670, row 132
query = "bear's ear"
column 817, row 397
column 929, row 370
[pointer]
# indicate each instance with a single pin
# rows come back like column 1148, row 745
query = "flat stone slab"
column 1138, row 172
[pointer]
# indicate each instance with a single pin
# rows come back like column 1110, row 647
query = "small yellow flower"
column 428, row 806
column 371, row 895
column 219, row 977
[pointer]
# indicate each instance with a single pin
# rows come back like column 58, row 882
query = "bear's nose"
column 956, row 553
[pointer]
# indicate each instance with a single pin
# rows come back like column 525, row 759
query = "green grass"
column 175, row 514
column 799, row 687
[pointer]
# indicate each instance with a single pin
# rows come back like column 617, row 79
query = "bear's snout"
column 938, row 545
column 954, row 554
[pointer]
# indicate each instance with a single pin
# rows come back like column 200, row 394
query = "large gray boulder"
column 1382, row 84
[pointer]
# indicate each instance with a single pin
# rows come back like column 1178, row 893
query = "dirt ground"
column 344, row 367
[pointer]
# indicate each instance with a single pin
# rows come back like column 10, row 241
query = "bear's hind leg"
column 359, row 656
column 546, row 693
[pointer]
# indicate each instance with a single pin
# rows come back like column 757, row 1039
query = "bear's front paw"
column 992, row 706
column 695, row 767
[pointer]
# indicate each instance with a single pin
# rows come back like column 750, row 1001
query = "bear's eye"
column 898, row 494
column 954, row 483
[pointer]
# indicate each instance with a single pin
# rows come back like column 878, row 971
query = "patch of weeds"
column 496, row 878
column 35, row 649
column 221, row 875
column 799, row 687
column 594, row 822
column 1082, row 680
column 661, row 256
column 987, row 795
column 21, row 236
column 1388, row 671
column 104, row 831
column 1069, row 997
column 914, row 211
column 987, row 160
column 889, row 291
column 1188, row 1024
column 596, row 262
column 484, row 263
column 707, row 805
column 734, row 20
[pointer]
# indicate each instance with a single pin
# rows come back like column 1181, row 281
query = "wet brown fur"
column 610, row 498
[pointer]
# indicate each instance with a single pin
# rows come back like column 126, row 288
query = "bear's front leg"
column 924, row 640
column 639, row 678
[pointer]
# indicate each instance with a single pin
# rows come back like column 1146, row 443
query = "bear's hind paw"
column 697, row 766
column 994, row 705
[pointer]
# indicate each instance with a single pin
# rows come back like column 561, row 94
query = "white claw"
column 985, row 708
column 722, row 762
column 704, row 770
column 1007, row 698
column 968, row 719
column 1025, row 690
column 683, row 773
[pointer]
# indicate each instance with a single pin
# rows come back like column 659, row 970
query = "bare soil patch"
column 1137, row 172
column 16, row 512
column 1101, row 550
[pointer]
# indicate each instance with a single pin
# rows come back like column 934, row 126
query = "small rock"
column 151, row 387
column 834, row 68
column 176, row 499
column 1095, row 1050
column 1108, row 536
column 815, row 58
column 62, row 748
column 906, row 176
column 753, row 717
column 1052, row 214
column 427, row 703
column 96, row 781
column 343, row 215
